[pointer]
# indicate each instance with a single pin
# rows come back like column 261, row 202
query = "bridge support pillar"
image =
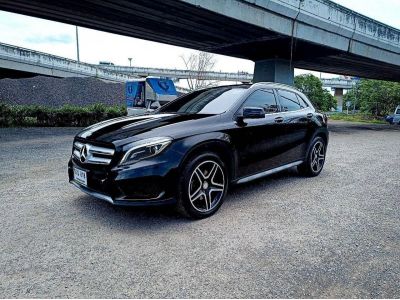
column 274, row 70
column 339, row 98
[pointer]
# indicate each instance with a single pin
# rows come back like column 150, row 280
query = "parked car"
column 192, row 149
column 395, row 118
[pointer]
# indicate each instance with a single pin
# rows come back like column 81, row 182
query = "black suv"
column 190, row 150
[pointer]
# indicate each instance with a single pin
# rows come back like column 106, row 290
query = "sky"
column 59, row 39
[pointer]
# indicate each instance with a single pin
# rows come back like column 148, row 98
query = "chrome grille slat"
column 101, row 150
column 93, row 154
column 99, row 160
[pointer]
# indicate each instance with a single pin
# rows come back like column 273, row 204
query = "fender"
column 218, row 142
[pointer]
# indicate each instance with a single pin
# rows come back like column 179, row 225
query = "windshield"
column 212, row 101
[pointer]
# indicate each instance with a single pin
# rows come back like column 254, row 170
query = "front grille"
column 91, row 154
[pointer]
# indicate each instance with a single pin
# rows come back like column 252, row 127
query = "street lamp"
column 130, row 61
column 77, row 43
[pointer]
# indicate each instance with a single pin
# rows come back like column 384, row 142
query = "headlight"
column 144, row 149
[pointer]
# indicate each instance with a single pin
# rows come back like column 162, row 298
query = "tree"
column 311, row 86
column 198, row 63
column 375, row 96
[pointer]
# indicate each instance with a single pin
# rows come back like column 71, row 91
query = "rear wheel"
column 202, row 186
column 315, row 158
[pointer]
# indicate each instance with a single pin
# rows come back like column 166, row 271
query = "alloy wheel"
column 206, row 186
column 317, row 156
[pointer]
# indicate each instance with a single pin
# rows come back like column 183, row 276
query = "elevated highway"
column 339, row 83
column 21, row 62
column 16, row 62
column 277, row 34
column 212, row 75
column 182, row 74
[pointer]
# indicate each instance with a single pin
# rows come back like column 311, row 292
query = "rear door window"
column 264, row 99
column 289, row 101
column 303, row 104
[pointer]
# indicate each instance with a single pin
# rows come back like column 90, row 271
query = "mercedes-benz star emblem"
column 83, row 154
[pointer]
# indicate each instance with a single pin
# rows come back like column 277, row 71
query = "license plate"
column 80, row 176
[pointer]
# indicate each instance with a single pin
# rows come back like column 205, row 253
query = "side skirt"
column 269, row 172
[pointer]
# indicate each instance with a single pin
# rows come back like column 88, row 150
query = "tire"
column 315, row 158
column 202, row 186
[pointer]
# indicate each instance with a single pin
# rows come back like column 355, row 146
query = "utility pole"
column 355, row 98
column 77, row 43
column 130, row 61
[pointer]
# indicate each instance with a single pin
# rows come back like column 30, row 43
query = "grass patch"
column 362, row 118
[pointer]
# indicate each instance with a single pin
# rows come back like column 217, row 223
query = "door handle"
column 310, row 115
column 278, row 120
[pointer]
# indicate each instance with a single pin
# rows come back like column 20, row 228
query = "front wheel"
column 202, row 186
column 315, row 158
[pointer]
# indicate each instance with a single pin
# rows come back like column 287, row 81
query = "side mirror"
column 253, row 113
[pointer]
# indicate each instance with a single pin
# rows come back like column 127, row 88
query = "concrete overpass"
column 181, row 74
column 338, row 86
column 17, row 62
column 213, row 75
column 339, row 83
column 23, row 62
column 277, row 34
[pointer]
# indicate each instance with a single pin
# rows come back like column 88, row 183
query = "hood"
column 128, row 128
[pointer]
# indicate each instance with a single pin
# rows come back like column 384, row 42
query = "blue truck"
column 148, row 94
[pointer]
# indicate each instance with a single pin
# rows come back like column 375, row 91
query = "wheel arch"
column 220, row 146
column 319, row 132
column 323, row 135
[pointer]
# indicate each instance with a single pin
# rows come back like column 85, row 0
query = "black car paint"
column 247, row 146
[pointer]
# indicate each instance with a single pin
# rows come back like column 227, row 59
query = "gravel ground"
column 336, row 235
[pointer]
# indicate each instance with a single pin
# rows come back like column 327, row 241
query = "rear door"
column 296, row 121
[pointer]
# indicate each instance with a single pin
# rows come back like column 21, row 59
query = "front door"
column 258, row 141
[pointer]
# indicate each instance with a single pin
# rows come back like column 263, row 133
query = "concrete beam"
column 274, row 70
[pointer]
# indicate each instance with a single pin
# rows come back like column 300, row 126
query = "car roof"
column 275, row 85
column 271, row 85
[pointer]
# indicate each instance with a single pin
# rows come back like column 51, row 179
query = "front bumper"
column 143, row 184
column 123, row 202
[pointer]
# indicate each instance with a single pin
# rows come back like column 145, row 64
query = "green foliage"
column 311, row 86
column 360, row 117
column 376, row 97
column 67, row 115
